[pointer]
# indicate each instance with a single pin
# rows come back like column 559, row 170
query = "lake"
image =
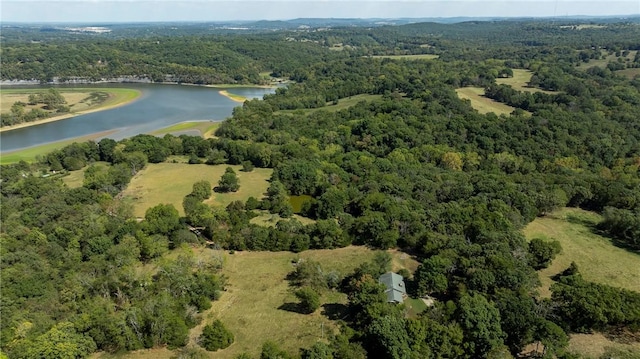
column 159, row 106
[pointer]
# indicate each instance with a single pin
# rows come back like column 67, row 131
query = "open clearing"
column 267, row 219
column 171, row 182
column 520, row 81
column 407, row 57
column 342, row 104
column 598, row 260
column 257, row 287
column 594, row 346
column 605, row 59
column 629, row 73
column 483, row 104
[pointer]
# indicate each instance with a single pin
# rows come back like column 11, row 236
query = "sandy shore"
column 232, row 97
column 66, row 115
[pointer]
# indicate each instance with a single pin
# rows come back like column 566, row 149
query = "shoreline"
column 30, row 153
column 70, row 115
column 232, row 97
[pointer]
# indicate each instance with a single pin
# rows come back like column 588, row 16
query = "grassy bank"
column 30, row 154
column 236, row 98
column 206, row 128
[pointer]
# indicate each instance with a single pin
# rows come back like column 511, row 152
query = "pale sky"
column 95, row 11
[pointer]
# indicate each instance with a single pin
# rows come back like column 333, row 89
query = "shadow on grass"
column 335, row 311
column 292, row 307
column 587, row 222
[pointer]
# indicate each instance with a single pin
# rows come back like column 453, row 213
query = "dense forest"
column 412, row 167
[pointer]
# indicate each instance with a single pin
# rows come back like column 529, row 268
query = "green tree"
column 480, row 321
column 542, row 252
column 201, row 190
column 61, row 342
column 390, row 338
column 319, row 350
column 215, row 336
column 229, row 181
column 271, row 350
column 161, row 219
column 309, row 300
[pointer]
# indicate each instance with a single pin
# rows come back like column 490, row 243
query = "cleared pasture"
column 481, row 103
column 596, row 345
column 342, row 104
column 257, row 288
column 520, row 81
column 171, row 182
column 605, row 58
column 598, row 260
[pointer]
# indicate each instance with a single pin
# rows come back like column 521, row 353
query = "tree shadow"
column 291, row 307
column 335, row 311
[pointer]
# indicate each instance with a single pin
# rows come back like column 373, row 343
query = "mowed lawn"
column 598, row 260
column 481, row 103
column 171, row 182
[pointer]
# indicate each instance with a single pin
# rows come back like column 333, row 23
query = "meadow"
column 520, row 81
column 171, row 182
column 597, row 258
column 598, row 261
column 481, row 103
column 342, row 104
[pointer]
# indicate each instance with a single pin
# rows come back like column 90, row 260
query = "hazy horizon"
column 128, row 11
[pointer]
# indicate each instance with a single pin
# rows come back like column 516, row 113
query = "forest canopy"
column 410, row 167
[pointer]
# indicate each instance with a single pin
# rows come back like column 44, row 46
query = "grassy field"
column 267, row 219
column 629, row 73
column 342, row 104
column 407, row 57
column 257, row 288
column 206, row 128
column 520, row 81
column 605, row 59
column 483, row 104
column 170, row 182
column 30, row 154
column 599, row 261
column 595, row 345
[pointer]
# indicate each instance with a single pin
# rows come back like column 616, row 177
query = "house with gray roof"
column 395, row 289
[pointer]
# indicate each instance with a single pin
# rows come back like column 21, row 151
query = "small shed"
column 395, row 289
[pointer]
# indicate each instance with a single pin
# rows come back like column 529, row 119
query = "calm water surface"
column 159, row 106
